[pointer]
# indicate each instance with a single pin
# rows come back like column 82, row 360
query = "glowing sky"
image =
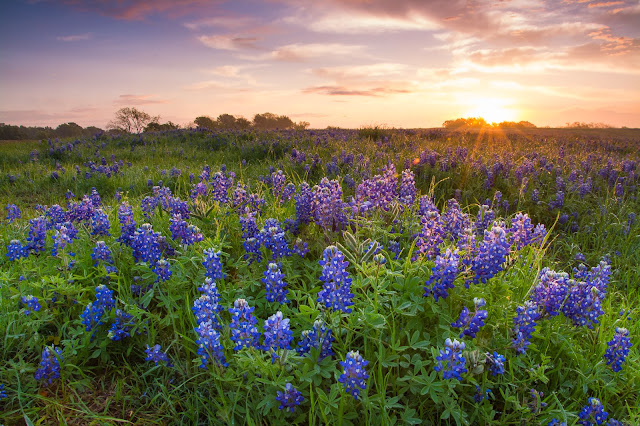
column 402, row 63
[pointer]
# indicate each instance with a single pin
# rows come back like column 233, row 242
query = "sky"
column 349, row 63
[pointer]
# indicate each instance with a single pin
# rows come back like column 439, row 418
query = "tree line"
column 66, row 130
column 479, row 122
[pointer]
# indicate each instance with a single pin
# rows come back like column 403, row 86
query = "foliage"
column 131, row 120
column 180, row 325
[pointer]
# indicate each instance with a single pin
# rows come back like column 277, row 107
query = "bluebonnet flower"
column 592, row 413
column 209, row 345
column 239, row 197
column 243, row 325
column 64, row 236
column 15, row 250
column 584, row 300
column 213, row 264
column 276, row 291
column 181, row 231
column 407, row 188
column 93, row 313
column 318, row 337
column 523, row 233
column 290, row 398
column 471, row 324
column 220, row 185
column 50, row 364
column 491, row 254
column 127, row 223
column 3, row 393
column 149, row 205
column 162, row 269
column 199, row 189
column 327, row 206
column 122, row 326
column 118, row 195
column 94, row 197
column 495, row 363
column 550, row 293
column 354, row 376
column 443, row 275
column 535, row 196
column 37, row 234
column 303, row 199
column 431, row 237
column 480, row 396
column 277, row 334
column 300, row 248
column 618, row 349
column 156, row 355
column 336, row 290
column 206, row 309
column 272, row 236
column 395, row 248
column 556, row 422
column 452, row 356
column 251, row 243
column 427, row 206
column 525, row 323
column 558, row 202
column 145, row 244
column 80, row 212
column 56, row 216
column 32, row 302
column 468, row 246
column 278, row 180
column 454, row 220
column 101, row 252
column 288, row 192
column 579, row 257
column 536, row 404
column 13, row 212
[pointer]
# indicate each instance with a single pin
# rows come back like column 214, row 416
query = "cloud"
column 360, row 71
column 140, row 9
column 605, row 4
column 226, row 22
column 375, row 91
column 74, row 37
column 228, row 42
column 300, row 52
column 138, row 100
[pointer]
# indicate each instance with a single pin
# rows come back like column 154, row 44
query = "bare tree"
column 131, row 120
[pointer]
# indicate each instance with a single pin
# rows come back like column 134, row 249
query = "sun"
column 493, row 110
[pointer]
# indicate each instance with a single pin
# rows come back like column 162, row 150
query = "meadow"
column 369, row 276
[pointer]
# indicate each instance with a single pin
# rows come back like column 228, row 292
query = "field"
column 369, row 276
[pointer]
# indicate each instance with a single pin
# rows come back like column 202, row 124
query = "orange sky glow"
column 403, row 63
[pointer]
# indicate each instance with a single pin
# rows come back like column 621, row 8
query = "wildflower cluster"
column 354, row 376
column 443, row 275
column 156, row 355
column 336, row 289
column 471, row 324
column 491, row 254
column 244, row 332
column 290, row 398
column 50, row 364
column 92, row 316
column 452, row 357
column 276, row 291
column 618, row 349
column 277, row 335
column 32, row 303
column 318, row 337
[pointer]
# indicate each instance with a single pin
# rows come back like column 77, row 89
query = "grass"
column 398, row 330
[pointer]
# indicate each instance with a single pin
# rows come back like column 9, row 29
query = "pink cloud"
column 140, row 9
column 74, row 37
column 138, row 100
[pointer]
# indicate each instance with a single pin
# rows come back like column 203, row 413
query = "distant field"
column 368, row 240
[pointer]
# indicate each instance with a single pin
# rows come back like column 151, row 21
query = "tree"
column 154, row 126
column 226, row 121
column 131, row 120
column 206, row 122
column 301, row 125
column 69, row 130
column 269, row 121
column 242, row 123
